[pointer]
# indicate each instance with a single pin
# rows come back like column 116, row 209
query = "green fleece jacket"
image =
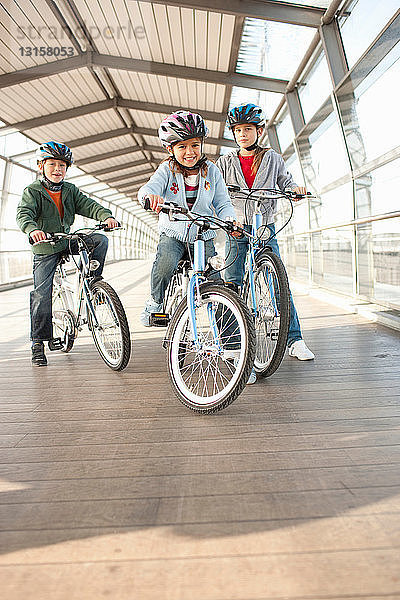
column 37, row 210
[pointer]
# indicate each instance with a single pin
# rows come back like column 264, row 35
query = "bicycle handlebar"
column 249, row 194
column 171, row 208
column 53, row 238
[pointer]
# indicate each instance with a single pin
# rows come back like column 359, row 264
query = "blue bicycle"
column 210, row 340
column 265, row 288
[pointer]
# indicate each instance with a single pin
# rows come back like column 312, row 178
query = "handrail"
column 391, row 215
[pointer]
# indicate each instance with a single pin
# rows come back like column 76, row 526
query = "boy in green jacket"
column 49, row 205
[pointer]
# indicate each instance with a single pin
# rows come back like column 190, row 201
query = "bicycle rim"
column 63, row 322
column 111, row 335
column 211, row 375
column 271, row 320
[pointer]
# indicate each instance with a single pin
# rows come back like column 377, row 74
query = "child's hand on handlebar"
column 300, row 191
column 236, row 229
column 38, row 236
column 155, row 202
column 111, row 223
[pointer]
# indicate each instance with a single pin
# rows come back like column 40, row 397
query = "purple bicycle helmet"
column 181, row 125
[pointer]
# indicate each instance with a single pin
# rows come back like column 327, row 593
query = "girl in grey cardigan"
column 191, row 181
column 260, row 167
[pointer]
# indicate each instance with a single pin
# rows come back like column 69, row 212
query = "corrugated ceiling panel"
column 96, row 23
column 78, row 127
column 114, row 161
column 57, row 92
column 150, row 27
column 160, row 33
column 147, row 119
column 103, row 146
column 182, row 93
column 25, row 27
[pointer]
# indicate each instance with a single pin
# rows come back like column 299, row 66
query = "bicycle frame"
column 199, row 265
column 76, row 295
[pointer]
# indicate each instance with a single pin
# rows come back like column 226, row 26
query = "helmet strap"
column 202, row 160
column 49, row 185
column 253, row 146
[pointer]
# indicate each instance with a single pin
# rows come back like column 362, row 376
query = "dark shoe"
column 38, row 356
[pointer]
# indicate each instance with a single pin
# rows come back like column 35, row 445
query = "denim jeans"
column 44, row 266
column 169, row 252
column 235, row 273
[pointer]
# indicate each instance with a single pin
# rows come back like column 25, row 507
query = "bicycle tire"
column 273, row 313
column 219, row 387
column 63, row 322
column 116, row 350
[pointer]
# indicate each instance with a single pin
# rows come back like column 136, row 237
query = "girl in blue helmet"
column 254, row 166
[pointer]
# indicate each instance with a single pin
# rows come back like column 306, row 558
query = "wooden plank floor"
column 110, row 488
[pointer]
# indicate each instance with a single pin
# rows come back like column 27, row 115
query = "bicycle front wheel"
column 271, row 319
column 63, row 320
column 209, row 373
column 111, row 333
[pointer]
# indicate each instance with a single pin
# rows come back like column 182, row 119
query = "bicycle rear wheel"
column 63, row 320
column 209, row 376
column 273, row 311
column 111, row 335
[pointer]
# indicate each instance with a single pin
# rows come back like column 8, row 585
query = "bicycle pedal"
column 159, row 319
column 55, row 344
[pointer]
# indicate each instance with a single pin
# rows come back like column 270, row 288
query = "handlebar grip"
column 49, row 237
column 146, row 204
column 104, row 227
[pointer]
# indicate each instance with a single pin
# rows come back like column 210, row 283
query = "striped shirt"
column 191, row 189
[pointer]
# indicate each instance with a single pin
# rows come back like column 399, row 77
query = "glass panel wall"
column 347, row 238
column 365, row 21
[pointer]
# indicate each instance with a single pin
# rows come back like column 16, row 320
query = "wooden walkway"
column 110, row 488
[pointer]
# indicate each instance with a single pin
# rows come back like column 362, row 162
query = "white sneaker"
column 253, row 375
column 253, row 378
column 299, row 350
column 149, row 308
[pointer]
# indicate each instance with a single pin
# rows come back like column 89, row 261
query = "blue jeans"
column 169, row 252
column 44, row 266
column 235, row 273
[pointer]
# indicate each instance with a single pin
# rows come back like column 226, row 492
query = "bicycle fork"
column 194, row 291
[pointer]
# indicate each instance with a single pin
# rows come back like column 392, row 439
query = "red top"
column 56, row 197
column 246, row 163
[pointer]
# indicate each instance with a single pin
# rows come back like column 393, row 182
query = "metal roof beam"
column 106, row 155
column 128, row 165
column 134, row 182
column 208, row 115
column 78, row 111
column 93, row 59
column 181, row 72
column 62, row 115
column 259, row 9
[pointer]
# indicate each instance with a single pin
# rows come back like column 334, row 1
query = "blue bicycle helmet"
column 55, row 150
column 246, row 113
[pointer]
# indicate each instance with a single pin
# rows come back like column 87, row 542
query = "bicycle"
column 266, row 288
column 210, row 340
column 91, row 301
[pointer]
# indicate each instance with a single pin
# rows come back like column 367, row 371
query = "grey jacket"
column 272, row 173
